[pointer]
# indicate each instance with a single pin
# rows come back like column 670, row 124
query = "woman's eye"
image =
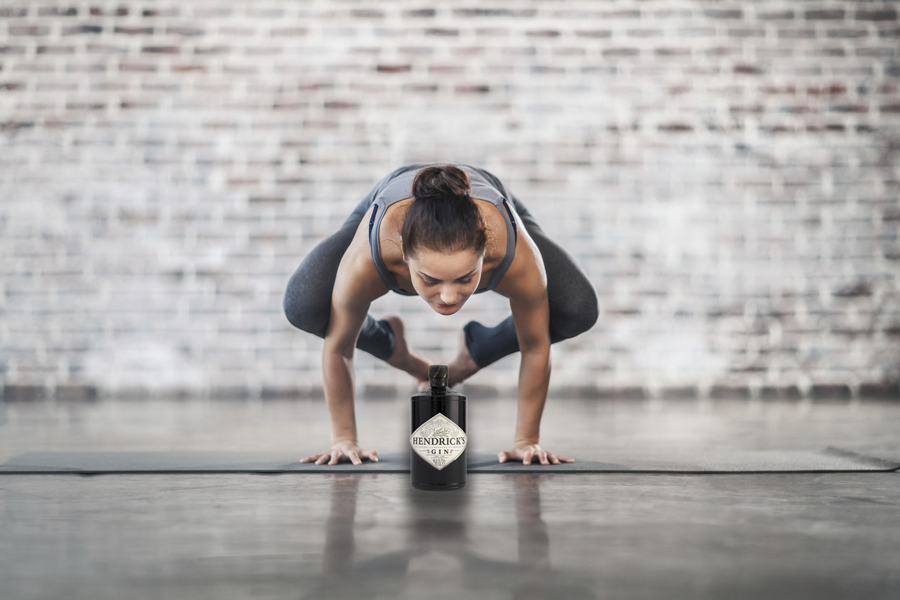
column 431, row 283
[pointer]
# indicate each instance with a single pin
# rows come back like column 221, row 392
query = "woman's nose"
column 448, row 296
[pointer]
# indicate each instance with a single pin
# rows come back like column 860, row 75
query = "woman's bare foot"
column 462, row 367
column 403, row 357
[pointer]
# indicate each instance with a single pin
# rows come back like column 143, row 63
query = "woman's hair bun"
column 443, row 216
column 441, row 181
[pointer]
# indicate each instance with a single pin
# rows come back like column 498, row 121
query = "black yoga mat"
column 759, row 461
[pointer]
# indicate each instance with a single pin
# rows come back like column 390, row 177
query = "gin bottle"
column 437, row 454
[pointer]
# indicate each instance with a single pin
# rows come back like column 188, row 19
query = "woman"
column 442, row 233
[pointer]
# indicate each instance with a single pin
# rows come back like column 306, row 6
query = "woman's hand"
column 347, row 451
column 525, row 451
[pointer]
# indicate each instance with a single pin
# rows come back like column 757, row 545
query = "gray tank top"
column 398, row 186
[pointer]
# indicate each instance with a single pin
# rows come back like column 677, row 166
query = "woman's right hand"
column 346, row 451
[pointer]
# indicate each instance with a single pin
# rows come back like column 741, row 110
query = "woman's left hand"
column 526, row 451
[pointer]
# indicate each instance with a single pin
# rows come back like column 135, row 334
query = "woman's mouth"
column 446, row 305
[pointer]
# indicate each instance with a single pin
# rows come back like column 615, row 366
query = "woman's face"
column 445, row 280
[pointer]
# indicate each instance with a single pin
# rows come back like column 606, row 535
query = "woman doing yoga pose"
column 442, row 233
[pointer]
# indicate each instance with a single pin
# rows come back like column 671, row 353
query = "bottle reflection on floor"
column 435, row 549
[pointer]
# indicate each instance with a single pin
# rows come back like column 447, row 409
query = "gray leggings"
column 573, row 301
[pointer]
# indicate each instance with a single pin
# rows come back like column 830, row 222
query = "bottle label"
column 439, row 441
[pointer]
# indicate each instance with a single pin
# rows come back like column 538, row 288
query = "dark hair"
column 442, row 216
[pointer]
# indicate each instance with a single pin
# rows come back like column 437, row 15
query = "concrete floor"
column 505, row 536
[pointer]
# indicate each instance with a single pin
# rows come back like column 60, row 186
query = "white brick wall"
column 726, row 172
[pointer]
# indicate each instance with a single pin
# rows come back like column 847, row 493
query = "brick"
column 57, row 12
column 830, row 392
column 747, row 70
column 621, row 14
column 24, row 393
column 884, row 52
column 620, row 393
column 696, row 32
column 441, row 32
column 644, row 33
column 747, row 32
column 494, row 12
column 880, row 391
column 29, row 30
column 594, row 33
column 340, row 105
column 543, row 33
column 212, row 50
column 675, row 13
column 185, row 68
column 882, row 14
column 472, row 89
column 676, row 127
column 82, row 29
column 789, row 392
column 853, row 290
column 140, row 30
column 12, row 49
column 849, row 108
column 729, row 392
column 137, row 68
column 834, row 89
column 420, row 13
column 577, row 392
column 421, row 88
column 289, row 31
column 832, row 51
column 393, row 68
column 56, row 49
column 75, row 393
column 834, row 14
column 105, row 49
column 7, row 126
column 797, row 33
column 848, row 32
column 185, row 31
column 99, row 11
column 679, row 393
column 13, row 12
column 621, row 52
column 174, row 12
column 85, row 105
column 723, row 13
column 161, row 50
column 776, row 15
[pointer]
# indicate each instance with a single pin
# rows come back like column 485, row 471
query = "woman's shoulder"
column 357, row 271
column 526, row 272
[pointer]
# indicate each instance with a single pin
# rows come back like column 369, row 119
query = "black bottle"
column 437, row 453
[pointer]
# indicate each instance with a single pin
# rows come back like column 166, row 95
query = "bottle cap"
column 437, row 375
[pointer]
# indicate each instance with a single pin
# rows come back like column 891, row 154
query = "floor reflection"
column 438, row 550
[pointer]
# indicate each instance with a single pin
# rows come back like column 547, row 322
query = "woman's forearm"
column 534, row 379
column 338, row 378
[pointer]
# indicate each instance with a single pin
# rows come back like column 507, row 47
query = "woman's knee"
column 304, row 308
column 574, row 312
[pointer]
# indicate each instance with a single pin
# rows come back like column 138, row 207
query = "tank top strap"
column 395, row 187
column 486, row 186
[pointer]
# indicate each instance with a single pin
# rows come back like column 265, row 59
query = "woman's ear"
column 402, row 251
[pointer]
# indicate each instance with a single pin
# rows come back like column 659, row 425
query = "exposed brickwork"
column 726, row 173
